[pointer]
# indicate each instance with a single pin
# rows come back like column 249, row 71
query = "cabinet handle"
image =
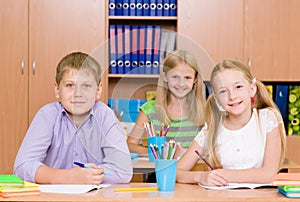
column 22, row 66
column 33, row 66
column 249, row 63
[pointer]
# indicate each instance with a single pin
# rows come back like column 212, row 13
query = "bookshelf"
column 132, row 85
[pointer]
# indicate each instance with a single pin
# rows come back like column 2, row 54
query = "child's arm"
column 76, row 175
column 187, row 162
column 136, row 135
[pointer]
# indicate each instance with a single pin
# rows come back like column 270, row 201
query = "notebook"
column 70, row 188
column 10, row 180
column 238, row 186
column 289, row 194
column 282, row 179
column 28, row 186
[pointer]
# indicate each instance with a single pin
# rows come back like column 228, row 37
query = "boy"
column 78, row 128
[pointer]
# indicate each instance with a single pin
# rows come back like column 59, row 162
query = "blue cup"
column 165, row 170
column 155, row 140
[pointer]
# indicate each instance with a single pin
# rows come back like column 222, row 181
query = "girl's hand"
column 79, row 175
column 214, row 178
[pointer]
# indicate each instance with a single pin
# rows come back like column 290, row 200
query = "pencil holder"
column 165, row 170
column 159, row 141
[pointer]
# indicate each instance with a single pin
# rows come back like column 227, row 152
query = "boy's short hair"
column 79, row 61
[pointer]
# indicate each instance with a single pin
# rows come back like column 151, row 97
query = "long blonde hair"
column 195, row 98
column 261, row 100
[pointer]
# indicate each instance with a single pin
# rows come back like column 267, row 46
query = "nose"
column 181, row 82
column 77, row 90
column 232, row 94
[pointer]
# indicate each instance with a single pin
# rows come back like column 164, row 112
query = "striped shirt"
column 181, row 130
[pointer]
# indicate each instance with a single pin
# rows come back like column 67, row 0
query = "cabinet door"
column 272, row 39
column 56, row 29
column 212, row 25
column 13, row 80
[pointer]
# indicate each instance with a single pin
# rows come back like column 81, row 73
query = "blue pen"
column 82, row 165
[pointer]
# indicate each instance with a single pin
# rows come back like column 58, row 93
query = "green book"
column 291, row 188
column 10, row 180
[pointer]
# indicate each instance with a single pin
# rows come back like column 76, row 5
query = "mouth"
column 235, row 104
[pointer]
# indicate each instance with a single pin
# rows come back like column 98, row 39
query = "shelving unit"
column 133, row 86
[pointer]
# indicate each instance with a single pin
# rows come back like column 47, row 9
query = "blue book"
column 146, row 7
column 127, row 49
column 134, row 49
column 156, row 50
column 111, row 7
column 166, row 9
column 112, row 50
column 281, row 100
column 288, row 194
column 139, row 7
column 141, row 49
column 119, row 8
column 132, row 7
column 152, row 8
column 149, row 48
column 126, row 8
column 173, row 7
column 159, row 7
column 120, row 49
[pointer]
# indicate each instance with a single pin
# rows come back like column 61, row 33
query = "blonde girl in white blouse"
column 244, row 140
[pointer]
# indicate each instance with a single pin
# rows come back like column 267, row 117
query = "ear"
column 99, row 91
column 253, row 89
column 218, row 105
column 56, row 90
column 164, row 75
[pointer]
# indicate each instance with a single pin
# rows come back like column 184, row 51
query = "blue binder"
column 127, row 49
column 119, row 7
column 156, row 49
column 146, row 7
column 173, row 7
column 126, row 8
column 141, row 49
column 166, row 9
column 111, row 7
column 134, row 49
column 152, row 8
column 159, row 7
column 281, row 100
column 120, row 49
column 139, row 7
column 112, row 50
column 132, row 7
column 149, row 48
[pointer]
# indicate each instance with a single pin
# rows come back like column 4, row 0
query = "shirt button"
column 238, row 150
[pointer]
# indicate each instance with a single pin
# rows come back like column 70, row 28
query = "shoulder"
column 102, row 112
column 148, row 107
column 270, row 118
column 53, row 108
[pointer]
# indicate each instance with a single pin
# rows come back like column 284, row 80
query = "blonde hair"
column 195, row 98
column 261, row 100
column 79, row 61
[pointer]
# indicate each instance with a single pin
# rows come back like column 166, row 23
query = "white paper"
column 236, row 186
column 70, row 188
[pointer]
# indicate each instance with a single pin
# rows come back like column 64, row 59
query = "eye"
column 87, row 85
column 69, row 85
column 222, row 91
column 239, row 86
column 188, row 77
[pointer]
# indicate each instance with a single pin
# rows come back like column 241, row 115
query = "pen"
column 203, row 159
column 82, row 165
column 136, row 189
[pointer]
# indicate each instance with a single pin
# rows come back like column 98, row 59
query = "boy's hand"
column 92, row 175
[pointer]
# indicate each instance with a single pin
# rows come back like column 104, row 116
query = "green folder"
column 10, row 180
column 290, row 188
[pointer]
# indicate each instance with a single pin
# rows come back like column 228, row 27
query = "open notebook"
column 70, row 188
column 237, row 186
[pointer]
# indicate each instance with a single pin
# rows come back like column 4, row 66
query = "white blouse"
column 243, row 148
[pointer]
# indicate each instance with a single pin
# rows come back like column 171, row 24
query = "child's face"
column 78, row 91
column 180, row 80
column 233, row 92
